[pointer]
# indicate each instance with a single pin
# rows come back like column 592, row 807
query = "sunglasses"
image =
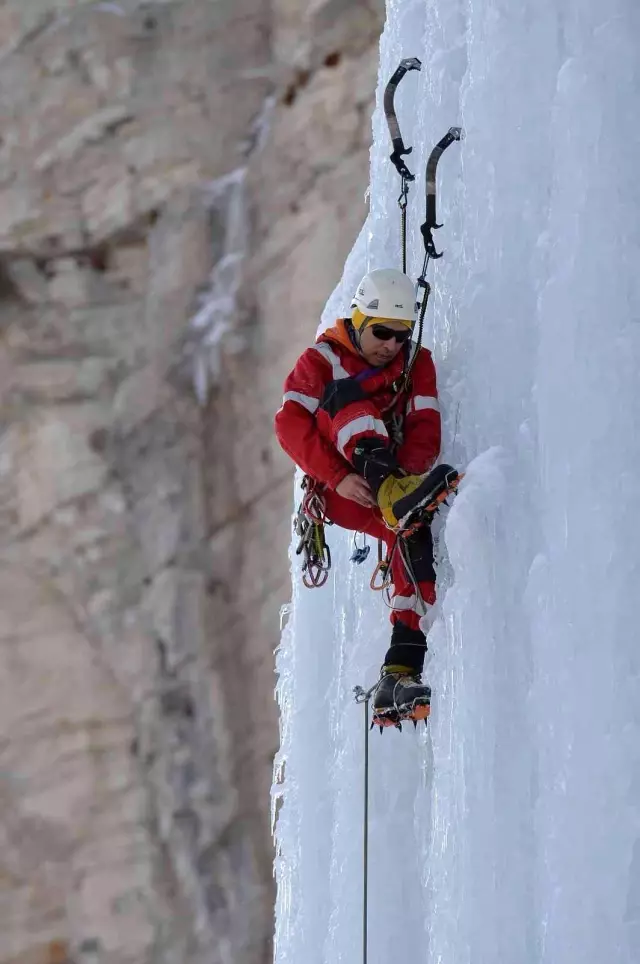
column 382, row 333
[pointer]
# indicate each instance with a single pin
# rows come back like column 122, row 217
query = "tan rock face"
column 180, row 182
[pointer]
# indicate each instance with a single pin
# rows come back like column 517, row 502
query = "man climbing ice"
column 360, row 417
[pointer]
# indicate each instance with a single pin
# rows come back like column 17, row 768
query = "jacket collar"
column 339, row 333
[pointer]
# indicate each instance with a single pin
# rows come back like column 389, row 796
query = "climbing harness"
column 399, row 149
column 309, row 524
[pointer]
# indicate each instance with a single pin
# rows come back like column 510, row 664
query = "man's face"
column 380, row 351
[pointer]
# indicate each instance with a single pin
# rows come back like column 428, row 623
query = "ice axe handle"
column 399, row 149
column 431, row 223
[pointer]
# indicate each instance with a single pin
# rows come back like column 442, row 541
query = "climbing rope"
column 364, row 696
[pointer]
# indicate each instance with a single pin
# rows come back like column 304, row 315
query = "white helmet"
column 386, row 293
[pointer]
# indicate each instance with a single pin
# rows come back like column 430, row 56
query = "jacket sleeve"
column 295, row 422
column 422, row 432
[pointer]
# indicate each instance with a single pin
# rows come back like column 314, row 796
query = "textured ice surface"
column 511, row 831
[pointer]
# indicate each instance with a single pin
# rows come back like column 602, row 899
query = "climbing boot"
column 400, row 498
column 400, row 695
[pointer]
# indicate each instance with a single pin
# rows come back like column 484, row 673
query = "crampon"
column 396, row 716
column 423, row 513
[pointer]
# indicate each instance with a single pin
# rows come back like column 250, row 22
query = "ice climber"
column 370, row 442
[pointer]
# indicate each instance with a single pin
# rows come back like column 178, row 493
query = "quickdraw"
column 309, row 524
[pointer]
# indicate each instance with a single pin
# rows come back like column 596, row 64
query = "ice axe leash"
column 399, row 149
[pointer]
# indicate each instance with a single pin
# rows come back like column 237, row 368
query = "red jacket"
column 304, row 430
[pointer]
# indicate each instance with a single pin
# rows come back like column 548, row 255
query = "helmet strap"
column 354, row 334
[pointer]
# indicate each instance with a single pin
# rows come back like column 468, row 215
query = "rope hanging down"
column 399, row 149
column 363, row 696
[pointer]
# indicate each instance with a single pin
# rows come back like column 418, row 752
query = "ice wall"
column 510, row 832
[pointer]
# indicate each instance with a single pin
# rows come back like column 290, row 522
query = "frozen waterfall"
column 509, row 831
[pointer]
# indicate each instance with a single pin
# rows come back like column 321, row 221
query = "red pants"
column 407, row 606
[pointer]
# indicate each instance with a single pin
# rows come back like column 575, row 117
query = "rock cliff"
column 180, row 182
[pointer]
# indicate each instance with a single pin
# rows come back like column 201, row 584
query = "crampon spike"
column 426, row 722
column 415, row 724
column 381, row 729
